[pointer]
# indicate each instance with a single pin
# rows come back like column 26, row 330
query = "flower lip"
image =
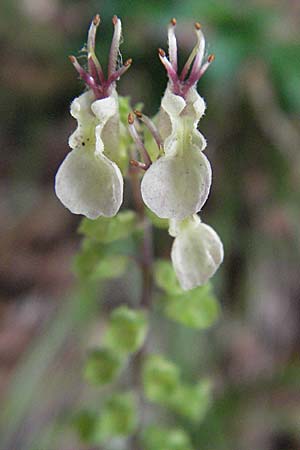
column 194, row 67
column 94, row 76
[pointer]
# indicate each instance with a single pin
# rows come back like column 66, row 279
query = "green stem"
column 145, row 263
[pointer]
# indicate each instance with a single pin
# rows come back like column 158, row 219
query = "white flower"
column 88, row 181
column 197, row 252
column 177, row 184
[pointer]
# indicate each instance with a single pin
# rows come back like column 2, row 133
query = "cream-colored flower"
column 177, row 184
column 197, row 252
column 89, row 181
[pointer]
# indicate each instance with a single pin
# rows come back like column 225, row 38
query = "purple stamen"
column 118, row 73
column 195, row 77
column 199, row 57
column 115, row 44
column 200, row 44
column 138, row 164
column 172, row 44
column 86, row 77
column 92, row 33
column 172, row 74
column 180, row 85
column 138, row 141
column 93, row 70
column 151, row 127
column 94, row 77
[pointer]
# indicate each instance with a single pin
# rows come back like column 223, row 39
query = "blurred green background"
column 252, row 127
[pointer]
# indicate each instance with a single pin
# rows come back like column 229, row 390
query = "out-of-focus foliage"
column 166, row 439
column 126, row 330
column 103, row 366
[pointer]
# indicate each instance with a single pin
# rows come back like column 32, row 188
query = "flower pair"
column 177, row 179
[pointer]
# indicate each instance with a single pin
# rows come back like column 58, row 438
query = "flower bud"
column 197, row 252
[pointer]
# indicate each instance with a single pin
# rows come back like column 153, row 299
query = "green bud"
column 197, row 308
column 165, row 277
column 109, row 229
column 88, row 258
column 118, row 417
column 127, row 330
column 160, row 379
column 110, row 267
column 102, row 367
column 159, row 438
column 192, row 401
column 157, row 221
column 84, row 423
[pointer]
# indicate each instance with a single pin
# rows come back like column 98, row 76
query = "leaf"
column 160, row 379
column 192, row 401
column 124, row 108
column 88, row 257
column 98, row 262
column 165, row 277
column 109, row 267
column 118, row 417
column 84, row 423
column 157, row 221
column 109, row 229
column 102, row 367
column 197, row 308
column 161, row 438
column 126, row 330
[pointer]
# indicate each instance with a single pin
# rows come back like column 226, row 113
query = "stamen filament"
column 86, row 77
column 92, row 33
column 138, row 141
column 138, row 164
column 200, row 46
column 118, row 73
column 168, row 66
column 172, row 44
column 95, row 68
column 197, row 75
column 151, row 127
column 115, row 44
column 93, row 63
column 199, row 57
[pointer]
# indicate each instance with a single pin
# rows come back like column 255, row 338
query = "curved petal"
column 197, row 252
column 84, row 135
column 89, row 183
column 108, row 128
column 175, row 187
column 178, row 119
